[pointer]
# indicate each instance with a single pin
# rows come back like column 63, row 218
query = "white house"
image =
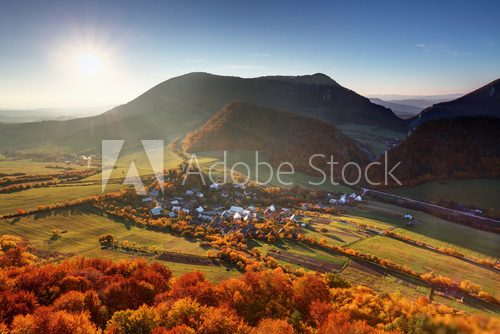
column 408, row 216
column 200, row 195
column 333, row 201
column 171, row 214
column 237, row 216
column 200, row 209
column 215, row 186
column 175, row 208
column 353, row 195
column 185, row 210
column 147, row 199
column 294, row 218
column 272, row 208
column 174, row 202
column 342, row 200
column 358, row 198
column 251, row 208
column 189, row 192
column 156, row 210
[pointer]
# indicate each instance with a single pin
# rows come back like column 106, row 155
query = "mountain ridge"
column 180, row 104
column 484, row 101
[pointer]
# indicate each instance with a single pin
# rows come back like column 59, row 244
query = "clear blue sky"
column 89, row 53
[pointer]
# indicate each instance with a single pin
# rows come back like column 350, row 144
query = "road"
column 365, row 190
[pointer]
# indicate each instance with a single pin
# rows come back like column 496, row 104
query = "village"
column 242, row 214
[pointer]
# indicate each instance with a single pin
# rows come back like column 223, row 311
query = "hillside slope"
column 484, row 101
column 282, row 135
column 178, row 105
column 464, row 147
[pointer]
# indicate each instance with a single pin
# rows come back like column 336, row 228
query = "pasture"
column 84, row 228
column 424, row 261
column 429, row 229
column 483, row 193
column 31, row 198
column 29, row 167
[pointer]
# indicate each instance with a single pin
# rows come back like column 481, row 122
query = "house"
column 200, row 195
column 353, row 195
column 247, row 229
column 342, row 200
column 174, row 202
column 294, row 218
column 251, row 208
column 333, row 201
column 237, row 216
column 408, row 216
column 205, row 217
column 189, row 192
column 147, row 199
column 358, row 198
column 171, row 214
column 236, row 209
column 286, row 211
column 215, row 186
column 175, row 208
column 272, row 208
column 156, row 211
column 185, row 210
column 200, row 209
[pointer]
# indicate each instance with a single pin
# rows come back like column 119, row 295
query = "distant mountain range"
column 176, row 106
column 283, row 136
column 407, row 106
column 400, row 109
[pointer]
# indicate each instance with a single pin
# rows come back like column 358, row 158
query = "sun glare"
column 89, row 64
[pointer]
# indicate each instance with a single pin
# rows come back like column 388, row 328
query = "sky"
column 67, row 54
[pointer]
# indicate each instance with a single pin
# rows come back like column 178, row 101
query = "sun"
column 89, row 64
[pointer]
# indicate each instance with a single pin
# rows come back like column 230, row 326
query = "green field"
column 429, row 229
column 423, row 261
column 207, row 159
column 337, row 233
column 371, row 136
column 29, row 167
column 480, row 192
column 140, row 159
column 297, row 248
column 31, row 198
column 383, row 283
column 84, row 228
